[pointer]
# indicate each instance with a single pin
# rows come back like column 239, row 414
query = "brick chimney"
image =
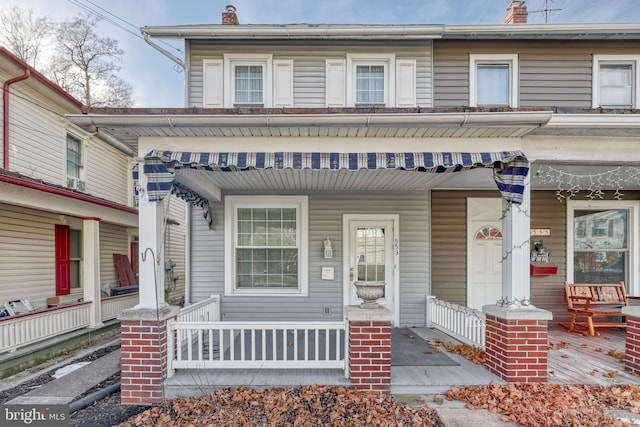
column 229, row 16
column 516, row 13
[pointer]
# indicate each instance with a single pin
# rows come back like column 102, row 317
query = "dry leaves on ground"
column 551, row 404
column 469, row 352
column 316, row 405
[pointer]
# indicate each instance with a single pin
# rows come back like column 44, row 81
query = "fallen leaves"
column 557, row 345
column 469, row 352
column 316, row 405
column 551, row 404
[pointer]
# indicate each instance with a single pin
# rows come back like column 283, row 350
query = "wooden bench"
column 600, row 301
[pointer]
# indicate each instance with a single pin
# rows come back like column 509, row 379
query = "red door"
column 63, row 260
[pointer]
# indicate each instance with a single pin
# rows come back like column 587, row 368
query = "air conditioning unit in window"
column 76, row 184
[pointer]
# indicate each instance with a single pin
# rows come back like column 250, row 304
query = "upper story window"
column 370, row 85
column 615, row 80
column 247, row 80
column 493, row 80
column 266, row 245
column 248, row 85
column 74, row 157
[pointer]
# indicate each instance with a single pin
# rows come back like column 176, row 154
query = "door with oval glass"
column 371, row 254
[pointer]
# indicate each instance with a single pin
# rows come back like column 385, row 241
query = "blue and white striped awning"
column 510, row 167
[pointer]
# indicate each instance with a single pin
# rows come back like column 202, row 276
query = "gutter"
column 65, row 193
column 534, row 119
column 5, row 114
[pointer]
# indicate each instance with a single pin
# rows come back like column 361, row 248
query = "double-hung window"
column 248, row 83
column 74, row 157
column 493, row 80
column 370, row 83
column 370, row 80
column 266, row 245
column 615, row 81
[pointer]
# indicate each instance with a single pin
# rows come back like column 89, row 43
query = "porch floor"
column 573, row 359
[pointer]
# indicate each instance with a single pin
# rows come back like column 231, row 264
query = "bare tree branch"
column 24, row 33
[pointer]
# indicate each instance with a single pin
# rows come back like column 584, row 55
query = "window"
column 601, row 243
column 248, row 85
column 370, row 80
column 68, row 258
column 615, row 81
column 266, row 245
column 75, row 257
column 74, row 157
column 493, row 80
column 370, row 84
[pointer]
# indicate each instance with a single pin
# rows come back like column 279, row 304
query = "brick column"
column 369, row 351
column 632, row 348
column 517, row 343
column 143, row 349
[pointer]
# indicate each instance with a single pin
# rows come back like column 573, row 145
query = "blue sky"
column 156, row 82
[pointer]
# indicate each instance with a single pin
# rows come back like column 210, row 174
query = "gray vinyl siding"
column 174, row 249
column 113, row 240
column 449, row 271
column 552, row 73
column 309, row 67
column 325, row 221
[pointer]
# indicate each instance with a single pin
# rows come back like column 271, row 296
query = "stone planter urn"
column 369, row 292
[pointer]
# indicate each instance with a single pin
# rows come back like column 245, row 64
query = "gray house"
column 427, row 157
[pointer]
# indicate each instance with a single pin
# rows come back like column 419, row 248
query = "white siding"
column 27, row 257
column 107, row 172
column 325, row 220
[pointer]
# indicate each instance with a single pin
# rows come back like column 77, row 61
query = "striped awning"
column 510, row 167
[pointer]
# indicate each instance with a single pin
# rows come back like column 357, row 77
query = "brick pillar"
column 369, row 349
column 632, row 349
column 517, row 343
column 143, row 353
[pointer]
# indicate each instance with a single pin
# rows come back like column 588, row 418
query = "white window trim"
column 233, row 59
column 509, row 59
column 230, row 204
column 387, row 60
column 633, row 207
column 634, row 60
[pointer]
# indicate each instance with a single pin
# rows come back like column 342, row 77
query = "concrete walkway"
column 68, row 388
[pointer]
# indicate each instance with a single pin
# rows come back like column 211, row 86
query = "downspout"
column 5, row 114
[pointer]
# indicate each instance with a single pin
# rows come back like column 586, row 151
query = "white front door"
column 484, row 244
column 371, row 253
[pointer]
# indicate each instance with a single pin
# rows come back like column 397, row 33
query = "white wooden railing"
column 462, row 323
column 28, row 328
column 203, row 311
column 112, row 306
column 283, row 345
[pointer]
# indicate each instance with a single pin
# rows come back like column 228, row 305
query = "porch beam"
column 151, row 219
column 516, row 230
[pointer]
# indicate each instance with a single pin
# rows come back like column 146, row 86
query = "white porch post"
column 91, row 268
column 516, row 225
column 150, row 228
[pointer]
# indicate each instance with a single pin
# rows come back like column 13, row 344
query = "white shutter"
column 212, row 83
column 283, row 83
column 335, row 89
column 405, row 83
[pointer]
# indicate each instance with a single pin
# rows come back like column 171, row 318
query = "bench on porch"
column 603, row 302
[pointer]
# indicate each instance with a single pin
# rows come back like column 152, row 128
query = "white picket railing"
column 463, row 323
column 28, row 328
column 283, row 345
column 203, row 311
column 112, row 306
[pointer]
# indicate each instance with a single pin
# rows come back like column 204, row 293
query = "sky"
column 158, row 82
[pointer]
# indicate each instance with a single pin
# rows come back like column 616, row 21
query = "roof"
column 4, row 52
column 599, row 31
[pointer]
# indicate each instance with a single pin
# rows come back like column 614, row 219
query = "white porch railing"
column 203, row 311
column 28, row 328
column 112, row 306
column 463, row 323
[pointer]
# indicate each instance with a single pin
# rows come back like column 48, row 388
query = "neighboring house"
column 66, row 207
column 299, row 136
